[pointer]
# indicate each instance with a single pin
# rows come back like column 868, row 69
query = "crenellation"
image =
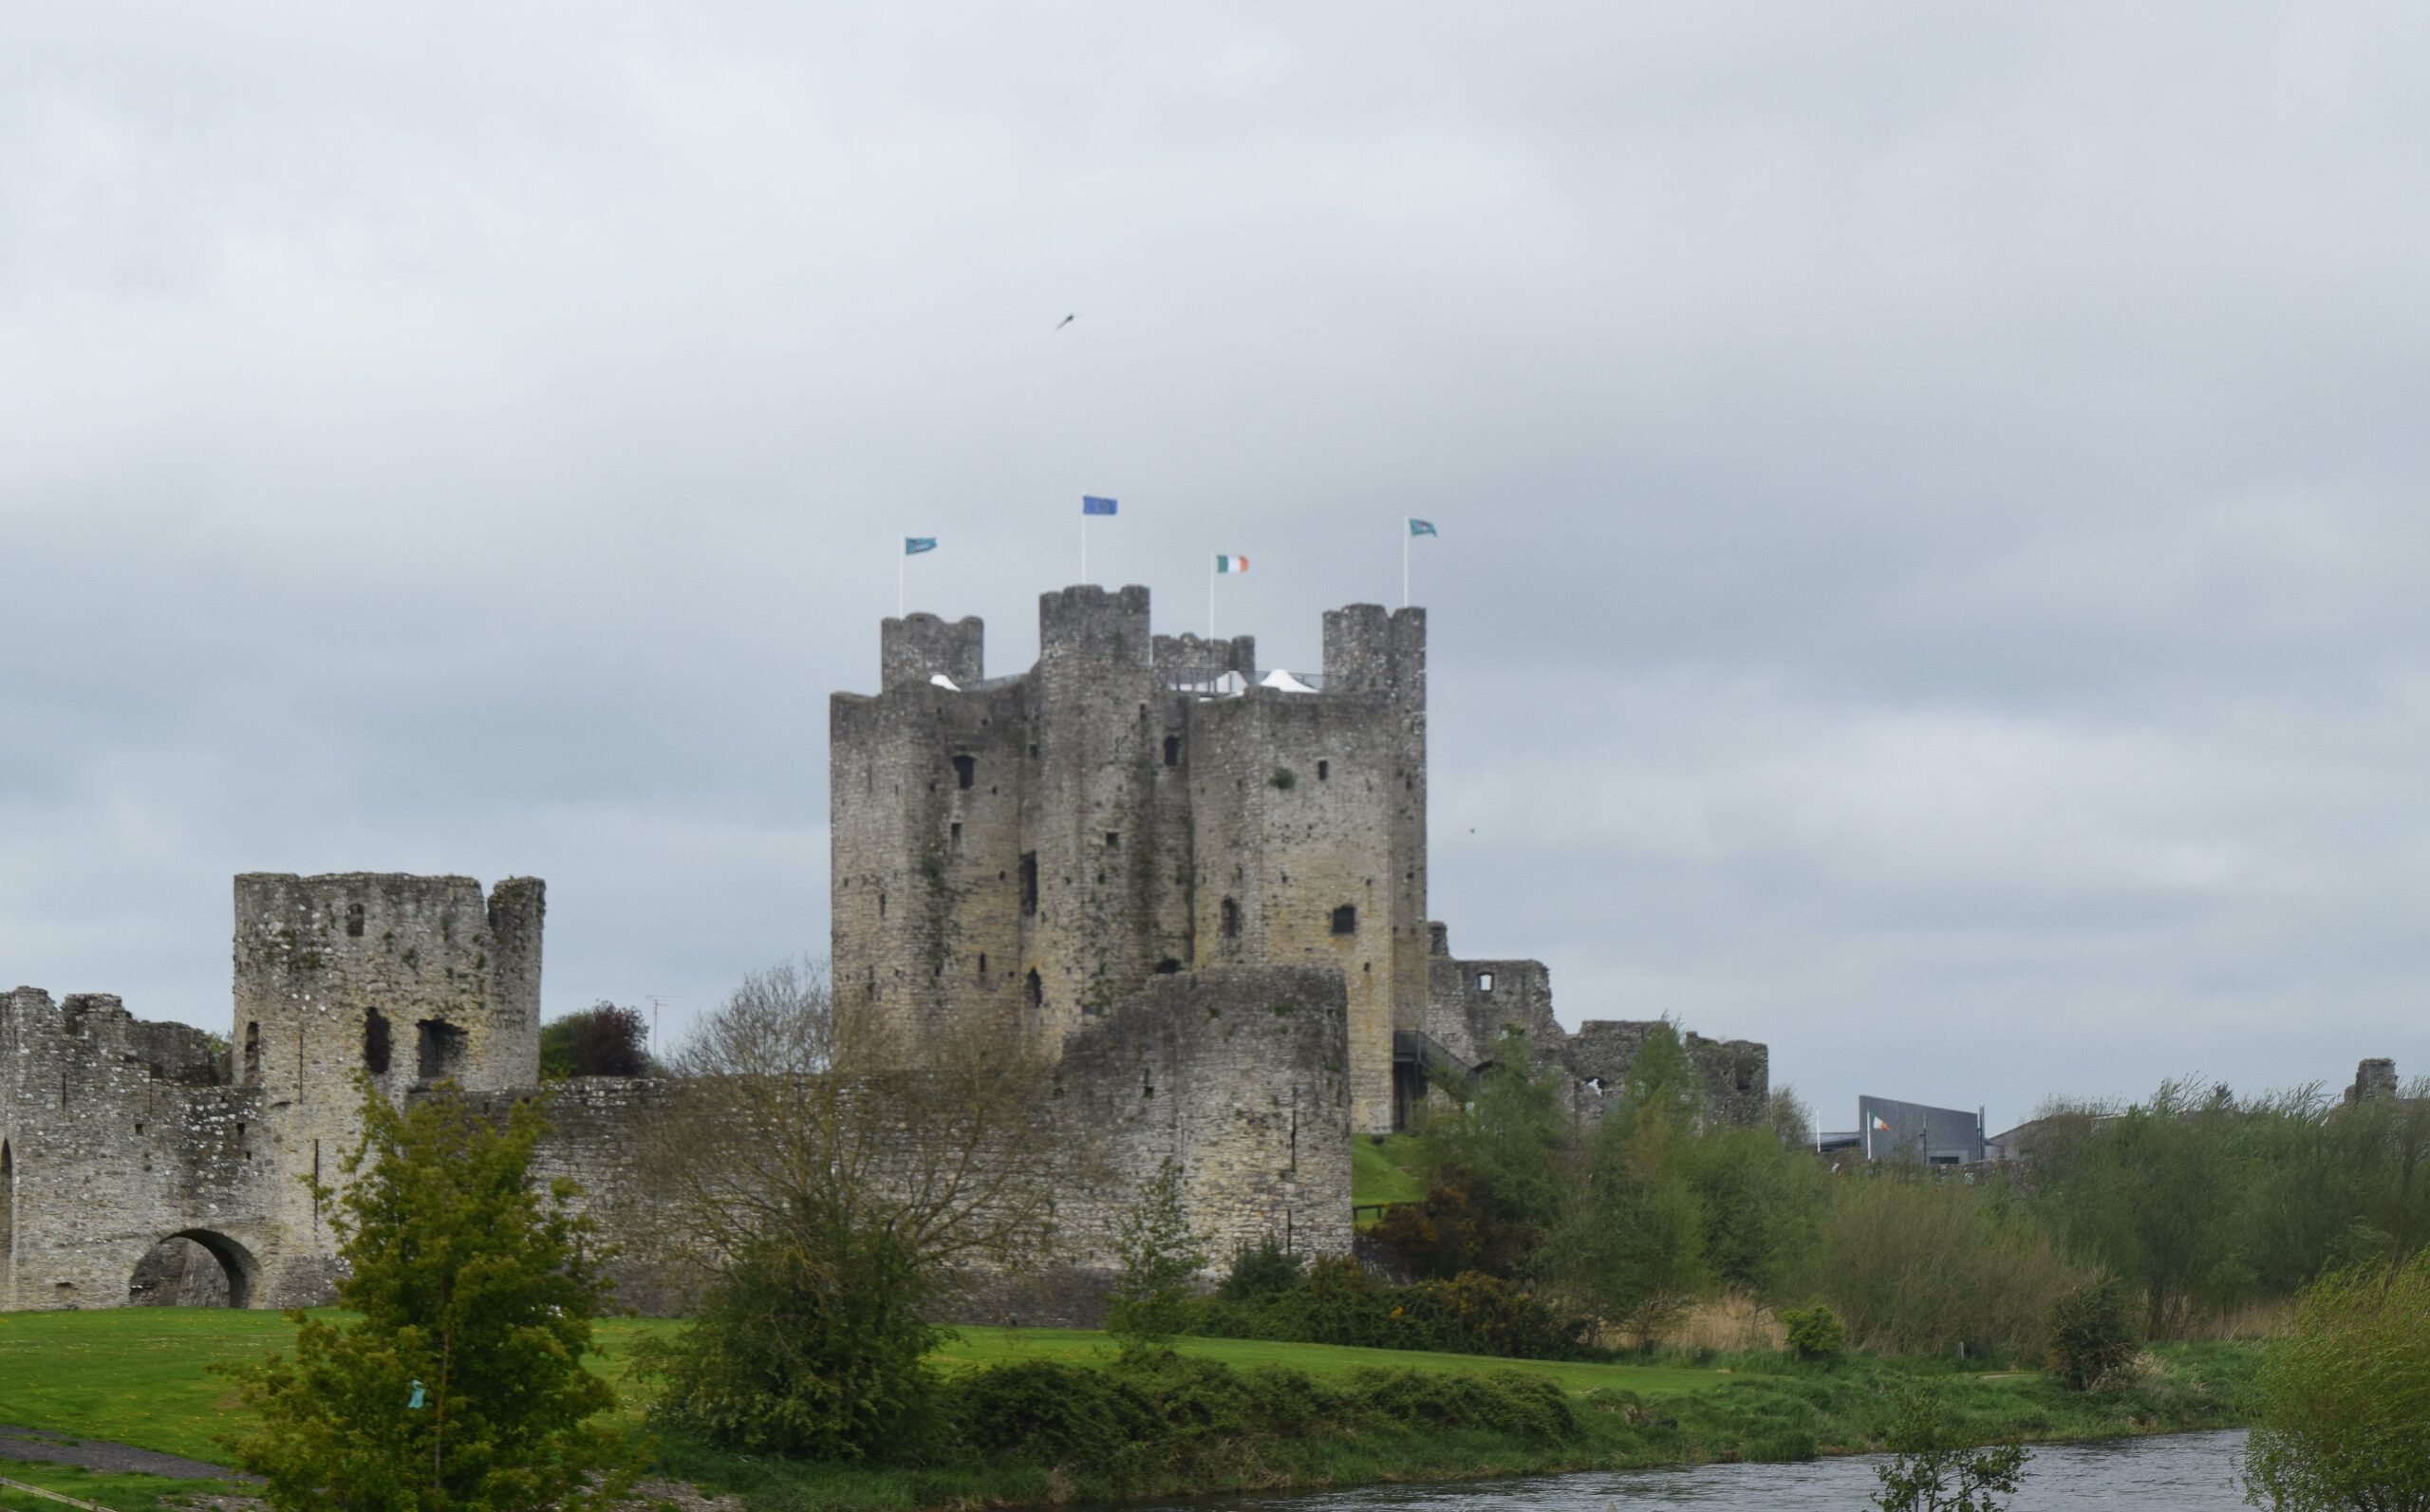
column 1198, row 887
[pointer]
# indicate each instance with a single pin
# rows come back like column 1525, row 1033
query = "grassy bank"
column 139, row 1376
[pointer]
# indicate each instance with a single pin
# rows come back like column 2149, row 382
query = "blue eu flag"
column 914, row 545
column 1091, row 504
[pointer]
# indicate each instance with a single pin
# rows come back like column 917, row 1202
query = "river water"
column 2184, row 1472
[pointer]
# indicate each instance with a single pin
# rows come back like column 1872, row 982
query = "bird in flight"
column 1065, row 321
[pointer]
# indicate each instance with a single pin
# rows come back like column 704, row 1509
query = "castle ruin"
column 1201, row 886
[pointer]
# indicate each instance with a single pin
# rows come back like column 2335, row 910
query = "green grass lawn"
column 1383, row 1172
column 141, row 1375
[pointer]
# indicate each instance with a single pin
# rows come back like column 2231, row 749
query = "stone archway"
column 193, row 1267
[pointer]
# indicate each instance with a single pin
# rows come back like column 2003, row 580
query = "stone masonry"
column 1200, row 887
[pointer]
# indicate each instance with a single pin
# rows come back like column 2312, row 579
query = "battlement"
column 919, row 647
column 1187, row 656
column 1370, row 650
column 414, row 980
column 1086, row 625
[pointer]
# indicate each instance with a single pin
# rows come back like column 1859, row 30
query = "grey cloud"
column 1931, row 498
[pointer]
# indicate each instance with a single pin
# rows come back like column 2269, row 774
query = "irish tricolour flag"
column 1231, row 564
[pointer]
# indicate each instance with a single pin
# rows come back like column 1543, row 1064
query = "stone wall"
column 1737, row 1073
column 114, row 1137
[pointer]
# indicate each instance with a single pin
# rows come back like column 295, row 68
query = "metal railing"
column 1230, row 684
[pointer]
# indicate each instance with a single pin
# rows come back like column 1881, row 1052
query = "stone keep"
column 1017, row 855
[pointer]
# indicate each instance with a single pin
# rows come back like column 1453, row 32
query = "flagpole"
column 901, row 557
column 1084, row 543
column 1211, row 601
column 1405, row 564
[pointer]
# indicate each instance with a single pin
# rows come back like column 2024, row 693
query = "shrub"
column 1814, row 1333
column 1261, row 1270
column 1336, row 1301
column 2342, row 1411
column 2092, row 1333
column 793, row 1359
column 1044, row 1413
column 1507, row 1402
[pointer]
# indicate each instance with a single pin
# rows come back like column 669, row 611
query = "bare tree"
column 812, row 1127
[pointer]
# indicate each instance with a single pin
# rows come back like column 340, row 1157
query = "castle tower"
column 409, row 980
column 1017, row 855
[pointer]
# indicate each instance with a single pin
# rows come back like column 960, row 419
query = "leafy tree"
column 1496, row 1168
column 1631, row 1247
column 1159, row 1255
column 1929, row 1470
column 1762, row 1202
column 461, row 1382
column 2159, row 1195
column 602, row 1040
column 2342, row 1402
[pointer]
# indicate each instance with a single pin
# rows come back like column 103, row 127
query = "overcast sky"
column 1932, row 555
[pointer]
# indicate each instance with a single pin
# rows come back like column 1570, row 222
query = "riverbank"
column 1348, row 1417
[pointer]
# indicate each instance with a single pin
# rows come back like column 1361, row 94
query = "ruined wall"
column 114, row 1134
column 1237, row 1074
column 1737, row 1073
column 411, row 981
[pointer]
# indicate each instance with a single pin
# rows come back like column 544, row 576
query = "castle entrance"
column 193, row 1267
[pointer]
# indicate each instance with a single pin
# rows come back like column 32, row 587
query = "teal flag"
column 1422, row 528
column 914, row 545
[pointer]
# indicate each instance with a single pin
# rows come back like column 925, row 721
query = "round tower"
column 408, row 981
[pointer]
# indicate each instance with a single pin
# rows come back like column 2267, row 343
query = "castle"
column 1024, row 852
column 1199, row 885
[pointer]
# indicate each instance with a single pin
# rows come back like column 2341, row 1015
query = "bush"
column 792, row 1358
column 1262, row 1271
column 2342, row 1411
column 1048, row 1414
column 2092, row 1334
column 1814, row 1333
column 1507, row 1402
column 1336, row 1301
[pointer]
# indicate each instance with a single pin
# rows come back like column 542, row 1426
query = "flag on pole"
column 1091, row 504
column 1419, row 526
column 1231, row 564
column 914, row 545
column 1881, row 1124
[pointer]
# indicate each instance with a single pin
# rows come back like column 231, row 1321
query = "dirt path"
column 92, row 1454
